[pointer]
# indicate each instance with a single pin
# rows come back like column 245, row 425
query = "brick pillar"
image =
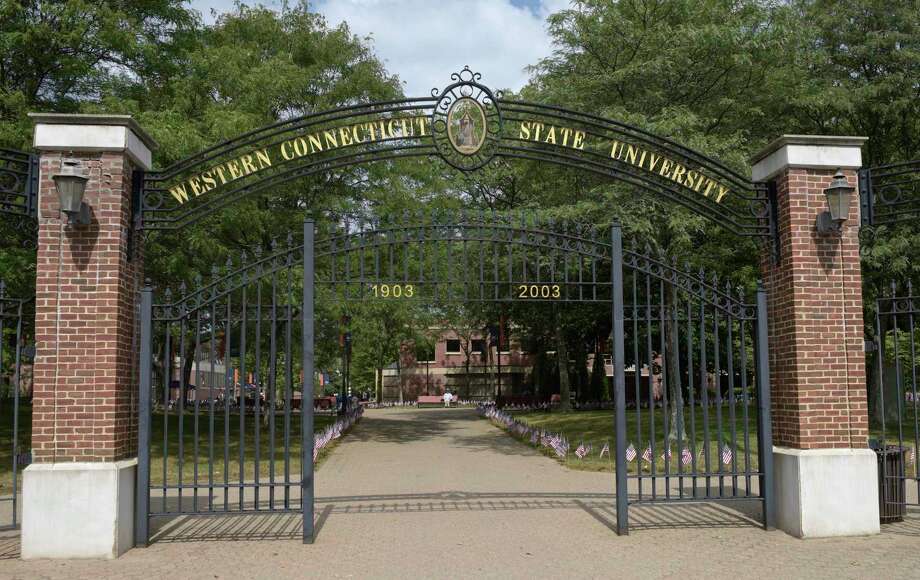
column 826, row 480
column 79, row 493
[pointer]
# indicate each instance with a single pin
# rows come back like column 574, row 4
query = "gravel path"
column 442, row 494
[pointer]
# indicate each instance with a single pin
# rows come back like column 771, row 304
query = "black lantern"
column 838, row 194
column 71, row 184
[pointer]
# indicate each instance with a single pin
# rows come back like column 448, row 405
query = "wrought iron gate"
column 893, row 366
column 693, row 421
column 17, row 319
column 223, row 364
column 220, row 391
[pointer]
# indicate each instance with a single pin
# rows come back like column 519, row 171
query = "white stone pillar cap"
column 90, row 133
column 807, row 151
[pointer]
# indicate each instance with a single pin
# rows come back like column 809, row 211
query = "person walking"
column 447, row 398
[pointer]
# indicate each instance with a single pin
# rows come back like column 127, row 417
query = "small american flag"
column 630, row 452
column 647, row 454
column 726, row 454
column 606, row 449
column 686, row 456
column 581, row 451
column 669, row 455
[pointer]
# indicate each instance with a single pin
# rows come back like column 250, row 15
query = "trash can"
column 892, row 483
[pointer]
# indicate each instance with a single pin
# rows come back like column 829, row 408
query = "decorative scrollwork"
column 466, row 122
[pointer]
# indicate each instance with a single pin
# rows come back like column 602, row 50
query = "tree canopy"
column 721, row 77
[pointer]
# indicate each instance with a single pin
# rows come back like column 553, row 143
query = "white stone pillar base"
column 826, row 492
column 78, row 510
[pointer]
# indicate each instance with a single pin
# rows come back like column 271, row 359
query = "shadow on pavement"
column 600, row 506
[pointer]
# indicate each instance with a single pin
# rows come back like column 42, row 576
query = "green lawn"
column 596, row 428
column 159, row 427
column 188, row 437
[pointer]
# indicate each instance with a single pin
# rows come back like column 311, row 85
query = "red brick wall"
column 84, row 405
column 817, row 364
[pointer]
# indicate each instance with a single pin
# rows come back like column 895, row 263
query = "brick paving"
column 442, row 494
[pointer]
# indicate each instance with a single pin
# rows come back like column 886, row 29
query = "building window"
column 479, row 346
column 453, row 346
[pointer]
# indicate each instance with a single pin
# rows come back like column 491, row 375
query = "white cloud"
column 424, row 41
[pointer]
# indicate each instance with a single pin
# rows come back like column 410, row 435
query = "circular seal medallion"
column 466, row 122
column 466, row 126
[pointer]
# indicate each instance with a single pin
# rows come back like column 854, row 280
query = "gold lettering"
column 537, row 127
column 678, row 173
column 263, row 158
column 665, row 167
column 709, row 187
column 579, row 141
column 300, row 147
column 383, row 131
column 234, row 170
column 699, row 183
column 314, row 142
column 179, row 193
column 345, row 137
column 354, row 133
column 406, row 128
column 723, row 191
column 286, row 152
column 220, row 173
column 690, row 178
column 551, row 135
column 524, row 132
column 642, row 158
column 208, row 181
column 631, row 153
column 565, row 136
column 391, row 127
column 422, row 121
column 331, row 141
column 614, row 154
column 653, row 161
column 248, row 167
column 196, row 186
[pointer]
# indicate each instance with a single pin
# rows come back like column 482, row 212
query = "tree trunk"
column 399, row 380
column 675, row 382
column 562, row 357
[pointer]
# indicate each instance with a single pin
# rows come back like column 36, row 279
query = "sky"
column 424, row 41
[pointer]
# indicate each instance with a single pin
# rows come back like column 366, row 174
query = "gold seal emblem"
column 466, row 126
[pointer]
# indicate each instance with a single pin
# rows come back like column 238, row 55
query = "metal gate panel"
column 17, row 323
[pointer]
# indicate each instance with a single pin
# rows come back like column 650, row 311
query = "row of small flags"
column 686, row 455
column 558, row 443
column 390, row 404
column 334, row 431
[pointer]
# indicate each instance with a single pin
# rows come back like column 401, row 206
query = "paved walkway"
column 442, row 494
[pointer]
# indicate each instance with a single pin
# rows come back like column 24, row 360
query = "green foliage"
column 720, row 77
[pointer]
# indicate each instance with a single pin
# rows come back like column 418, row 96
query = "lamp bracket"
column 825, row 224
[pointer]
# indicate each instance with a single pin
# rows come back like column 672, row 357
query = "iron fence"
column 17, row 318
column 702, row 348
column 893, row 366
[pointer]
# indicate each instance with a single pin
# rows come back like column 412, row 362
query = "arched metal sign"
column 466, row 125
